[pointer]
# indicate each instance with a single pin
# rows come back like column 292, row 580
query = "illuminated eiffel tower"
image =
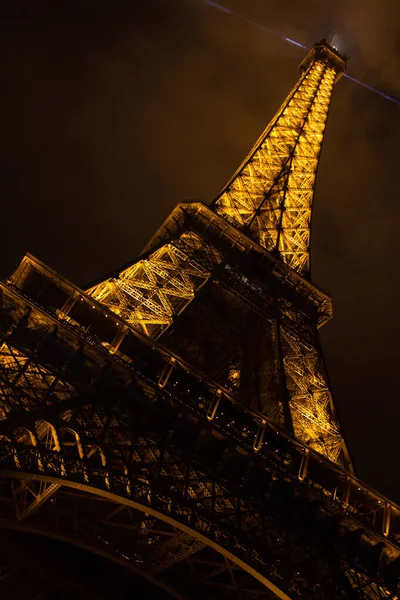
column 177, row 418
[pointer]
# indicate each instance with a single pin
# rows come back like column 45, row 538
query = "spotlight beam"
column 290, row 41
column 250, row 22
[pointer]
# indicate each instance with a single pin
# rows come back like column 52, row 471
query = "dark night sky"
column 109, row 119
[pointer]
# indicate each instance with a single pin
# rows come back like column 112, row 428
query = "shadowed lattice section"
column 179, row 476
column 38, row 387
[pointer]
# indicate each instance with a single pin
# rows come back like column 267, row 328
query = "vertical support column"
column 20, row 275
column 284, row 393
column 166, row 372
column 260, row 384
column 346, row 494
column 258, row 440
column 249, row 349
column 68, row 306
column 387, row 511
column 118, row 339
column 304, row 465
column 212, row 409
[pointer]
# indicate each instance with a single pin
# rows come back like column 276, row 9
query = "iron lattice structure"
column 268, row 200
column 177, row 418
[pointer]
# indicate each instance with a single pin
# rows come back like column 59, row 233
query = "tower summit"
column 271, row 194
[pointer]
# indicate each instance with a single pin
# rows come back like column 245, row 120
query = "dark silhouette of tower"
column 176, row 418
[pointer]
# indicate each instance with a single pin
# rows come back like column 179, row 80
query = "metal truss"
column 271, row 194
column 37, row 384
column 270, row 199
column 91, row 522
column 188, row 482
column 311, row 405
column 176, row 548
column 154, row 290
column 280, row 352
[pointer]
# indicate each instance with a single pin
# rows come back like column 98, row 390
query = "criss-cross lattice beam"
column 177, row 548
column 271, row 194
column 312, row 410
column 149, row 294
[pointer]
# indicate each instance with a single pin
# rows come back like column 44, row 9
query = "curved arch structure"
column 28, row 528
column 124, row 559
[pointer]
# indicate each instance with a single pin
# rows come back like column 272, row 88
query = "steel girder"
column 90, row 423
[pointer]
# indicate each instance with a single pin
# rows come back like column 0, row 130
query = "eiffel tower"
column 176, row 418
